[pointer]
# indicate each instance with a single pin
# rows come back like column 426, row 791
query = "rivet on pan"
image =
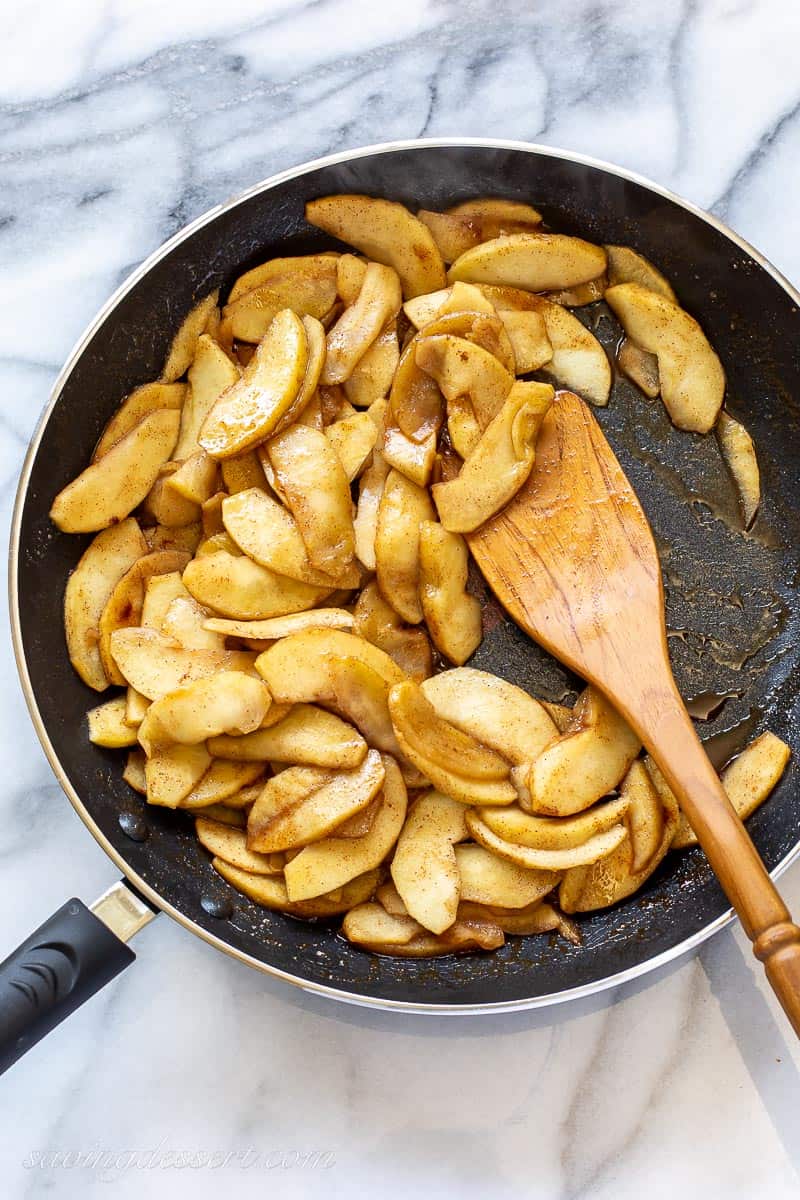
column 133, row 826
column 220, row 908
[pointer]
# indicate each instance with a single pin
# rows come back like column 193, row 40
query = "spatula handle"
column 668, row 733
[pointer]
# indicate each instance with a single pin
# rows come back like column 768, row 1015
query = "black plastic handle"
column 68, row 959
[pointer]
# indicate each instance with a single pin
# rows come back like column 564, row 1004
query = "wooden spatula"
column 573, row 561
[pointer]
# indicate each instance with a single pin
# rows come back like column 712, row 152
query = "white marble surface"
column 120, row 121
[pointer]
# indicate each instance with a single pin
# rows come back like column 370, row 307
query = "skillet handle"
column 67, row 960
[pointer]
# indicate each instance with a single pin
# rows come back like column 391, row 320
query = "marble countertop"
column 119, row 122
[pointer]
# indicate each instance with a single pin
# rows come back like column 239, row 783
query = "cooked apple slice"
column 455, row 233
column 554, row 833
column 415, row 400
column 154, row 665
column 158, row 537
column 243, row 472
column 692, row 378
column 234, row 818
column 539, row 917
column 274, row 628
column 159, row 593
column 640, row 367
column 595, row 848
column 536, row 262
column 350, row 272
column 269, row 535
column 500, row 464
column 182, row 351
column 403, row 507
column 317, row 813
column 108, row 727
column 307, row 735
column 453, row 616
column 527, row 332
column 740, row 456
column 251, row 409
column 333, row 862
column 211, row 515
column 584, row 763
column 628, row 266
column 378, row 622
column 150, row 397
column 645, row 814
column 235, row 586
column 460, row 297
column 270, row 891
column 386, row 232
column 480, row 328
column 316, row 491
column 126, row 602
column 487, row 879
column 173, row 771
column 378, row 302
column 424, row 865
column 418, row 725
column 108, row 490
column 413, row 459
column 296, row 272
column 578, row 362
column 228, row 702
column 216, row 543
column 497, row 713
column 134, row 774
column 372, row 928
column 497, row 208
column 222, row 782
column 365, row 522
column 166, row 506
column 748, row 781
column 361, row 822
column 195, row 480
column 305, row 284
column 353, row 439
column 372, row 376
column 185, row 622
column 109, row 557
column 462, row 368
column 559, row 714
column 230, row 844
column 582, row 293
column 211, row 374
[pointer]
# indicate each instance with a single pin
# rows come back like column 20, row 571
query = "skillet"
column 733, row 604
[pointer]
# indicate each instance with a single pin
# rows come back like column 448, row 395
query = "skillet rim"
column 609, row 981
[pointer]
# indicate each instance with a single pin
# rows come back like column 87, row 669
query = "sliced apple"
column 455, row 233
column 478, row 327
column 497, row 208
column 230, row 844
column 353, row 439
column 166, row 506
column 487, row 879
column 365, row 522
column 211, row 515
column 371, row 377
column 173, row 771
column 645, row 814
column 333, row 862
column 184, row 344
column 378, row 622
column 424, row 866
column 134, row 773
column 185, row 622
column 692, row 378
column 378, row 303
column 307, row 735
column 150, row 397
column 462, row 368
column 228, row 702
column 270, row 891
column 555, row 833
column 595, row 848
column 221, row 783
column 126, row 602
column 497, row 713
column 460, row 297
column 159, row 537
column 242, row 473
column 413, row 459
column 195, row 480
column 536, row 262
column 274, row 628
column 419, row 727
column 628, row 266
column 372, row 928
column 740, row 456
column 211, row 374
column 109, row 557
column 500, row 463
column 350, row 272
column 640, row 367
column 154, row 665
column 235, row 586
column 298, row 273
column 403, row 507
column 453, row 616
column 579, row 362
column 306, row 285
column 582, row 293
column 386, row 232
column 527, row 332
column 108, row 726
column 415, row 399
column 108, row 490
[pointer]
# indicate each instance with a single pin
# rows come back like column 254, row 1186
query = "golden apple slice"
column 497, row 208
column 274, row 628
column 251, row 409
column 235, row 818
column 378, row 622
column 461, row 297
column 539, row 917
column 536, row 262
column 184, row 344
column 640, row 367
column 595, row 848
column 306, row 285
column 134, row 774
column 495, row 712
column 372, row 928
column 579, row 362
column 360, row 324
column 353, row 439
column 211, row 374
column 136, row 705
column 166, row 506
column 645, row 814
column 301, row 273
column 316, row 491
column 386, row 232
column 748, row 781
column 559, row 714
column 582, row 293
column 487, row 879
column 372, row 376
column 108, row 490
column 413, row 459
column 478, row 327
column 500, row 464
column 125, row 604
column 527, row 332
column 318, row 812
column 415, row 399
column 740, row 456
column 365, row 522
column 692, row 378
column 418, row 725
column 453, row 616
column 216, row 543
column 109, row 557
column 350, row 272
column 462, row 368
column 173, row 771
column 270, row 891
column 154, row 665
column 361, row 822
column 195, row 480
column 424, row 866
column 222, row 782
column 237, row 587
column 403, row 507
column 242, row 473
column 228, row 702
column 455, row 233
column 108, row 727
column 230, row 844
column 158, row 537
column 269, row 535
column 185, row 622
column 306, row 735
column 584, row 763
column 333, row 862
column 554, row 833
column 628, row 266
column 150, row 397
column 159, row 593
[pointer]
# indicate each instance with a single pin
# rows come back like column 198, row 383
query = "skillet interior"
column 733, row 605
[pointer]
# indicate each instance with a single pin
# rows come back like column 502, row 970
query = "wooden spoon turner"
column 573, row 561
